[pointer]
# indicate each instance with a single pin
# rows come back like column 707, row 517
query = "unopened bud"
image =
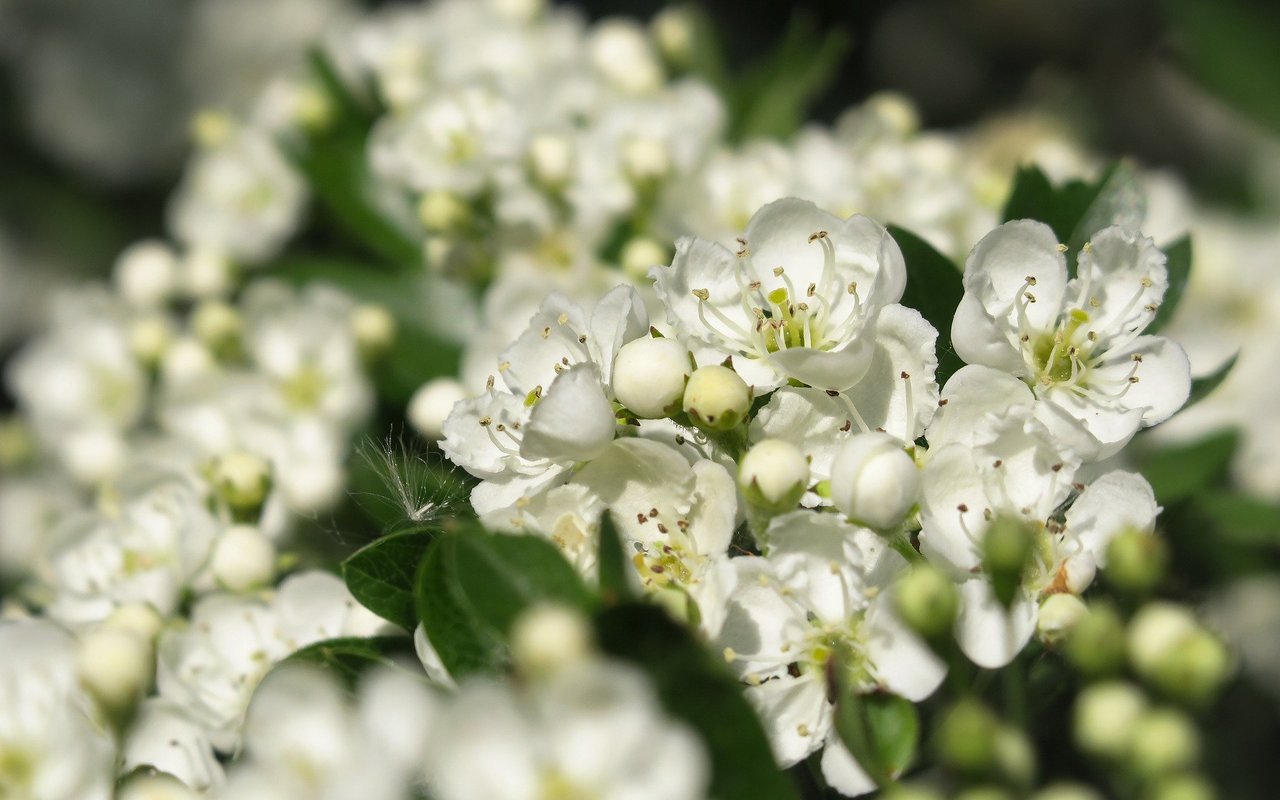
column 673, row 30
column 895, row 111
column 1096, row 645
column 146, row 273
column 374, row 330
column 645, row 159
column 312, row 109
column 966, row 738
column 1164, row 741
column 649, row 376
column 640, row 254
column 140, row 619
column 443, row 212
column 186, row 361
column 431, row 404
column 547, row 638
column 243, row 559
column 242, row 480
column 773, row 475
column 1067, row 791
column 206, row 273
column 115, row 666
column 873, row 480
column 984, row 793
column 716, row 398
column 219, row 327
column 1059, row 615
column 1006, row 549
column 905, row 791
column 550, row 161
column 149, row 338
column 1015, row 757
column 1106, row 718
column 211, row 128
column 94, row 455
column 927, row 601
column 621, row 52
column 1184, row 787
column 1136, row 561
column 523, row 11
column 17, row 444
column 159, row 786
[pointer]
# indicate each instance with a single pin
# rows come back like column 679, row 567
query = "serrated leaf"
column 465, row 643
column 349, row 657
column 694, row 686
column 1203, row 386
column 502, row 575
column 1178, row 256
column 1183, row 470
column 934, row 288
column 613, row 562
column 881, row 730
column 381, row 575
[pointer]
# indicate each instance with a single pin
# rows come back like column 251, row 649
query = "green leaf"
column 349, row 657
column 1178, row 255
column 381, row 575
column 614, row 564
column 465, row 643
column 881, row 730
column 1203, row 386
column 773, row 96
column 1183, row 470
column 1242, row 519
column 695, row 686
column 934, row 288
column 502, row 575
column 1116, row 199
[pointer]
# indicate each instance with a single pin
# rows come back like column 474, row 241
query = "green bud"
column 773, row 475
column 966, row 738
column 716, row 398
column 220, row 328
column 1136, row 561
column 17, row 444
column 443, row 212
column 1006, row 549
column 374, row 330
column 242, row 480
column 1096, row 644
column 1015, row 756
column 984, row 793
column 902, row 791
column 1165, row 741
column 1169, row 648
column 926, row 600
column 1106, row 718
column 1067, row 791
column 1184, row 787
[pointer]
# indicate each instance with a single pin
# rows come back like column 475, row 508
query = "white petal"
column 1164, row 377
column 636, row 476
column 715, row 512
column 971, row 394
column 1093, row 430
column 952, row 500
column 1114, row 502
column 473, row 446
column 1124, row 274
column 829, row 369
column 810, row 419
column 550, row 343
column 988, row 634
column 573, row 421
column 842, row 772
column 795, row 713
column 980, row 338
column 497, row 494
column 904, row 664
column 619, row 317
column 699, row 264
column 998, row 267
column 780, row 235
column 905, row 343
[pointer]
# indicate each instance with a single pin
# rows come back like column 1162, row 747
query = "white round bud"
column 873, row 480
column 149, row 338
column 374, row 329
column 1165, row 741
column 211, row 128
column 517, row 10
column 140, row 619
column 1156, row 631
column 159, row 786
column 641, row 254
column 1067, row 791
column 649, row 376
column 716, row 397
column 146, row 273
column 206, row 273
column 774, row 475
column 218, row 326
column 547, row 638
column 673, row 30
column 645, row 159
column 1106, row 717
column 115, row 666
column 93, row 455
column 896, row 111
column 242, row 480
column 431, row 404
column 622, row 53
column 550, row 160
column 243, row 559
column 1059, row 615
column 441, row 211
column 186, row 360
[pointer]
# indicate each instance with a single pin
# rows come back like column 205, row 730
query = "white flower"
column 165, row 737
column 798, row 301
column 815, row 597
column 1078, row 343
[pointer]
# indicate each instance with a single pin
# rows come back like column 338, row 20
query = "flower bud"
column 243, row 559
column 966, row 738
column 374, row 330
column 673, row 30
column 984, row 793
column 649, row 376
column 186, row 361
column 431, row 404
column 550, row 161
column 1015, row 756
column 645, row 159
column 211, row 128
column 149, row 338
column 873, row 480
column 206, row 273
column 1157, row 634
column 17, row 443
column 443, row 212
column 926, row 600
column 146, row 273
column 1006, row 549
column 93, row 455
column 1059, row 615
column 640, row 254
column 905, row 791
column 547, row 638
column 773, row 475
column 242, row 480
column 1106, row 718
column 621, row 52
column 716, row 398
column 1184, row 787
column 115, row 666
column 1095, row 646
column 219, row 327
column 159, row 786
column 1165, row 741
column 1136, row 561
column 1067, row 791
column 140, row 619
column 521, row 11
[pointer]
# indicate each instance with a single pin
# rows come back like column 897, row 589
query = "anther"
column 701, row 294
column 562, row 319
column 813, row 237
column 777, row 272
column 546, row 332
column 1031, row 280
column 486, row 421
